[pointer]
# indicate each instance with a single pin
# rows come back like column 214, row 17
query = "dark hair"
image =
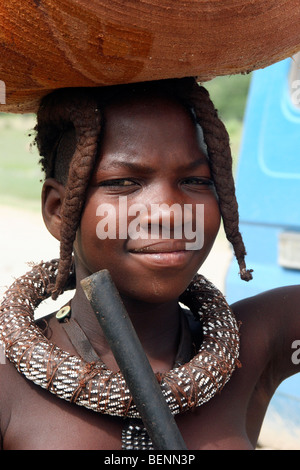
column 67, row 113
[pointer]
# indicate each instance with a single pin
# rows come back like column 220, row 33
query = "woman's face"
column 151, row 158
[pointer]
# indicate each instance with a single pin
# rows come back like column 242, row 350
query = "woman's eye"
column 198, row 181
column 122, row 182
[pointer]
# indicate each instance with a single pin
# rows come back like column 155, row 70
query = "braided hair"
column 66, row 113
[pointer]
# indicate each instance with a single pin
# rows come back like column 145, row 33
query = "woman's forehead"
column 146, row 134
column 150, row 116
column 153, row 101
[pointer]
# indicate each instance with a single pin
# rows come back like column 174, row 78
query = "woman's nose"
column 164, row 214
column 163, row 220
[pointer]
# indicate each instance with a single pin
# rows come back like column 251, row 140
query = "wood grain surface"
column 49, row 44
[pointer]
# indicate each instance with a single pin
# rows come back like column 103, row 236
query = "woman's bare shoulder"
column 276, row 304
column 272, row 319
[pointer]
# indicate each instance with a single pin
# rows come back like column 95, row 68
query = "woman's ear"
column 53, row 194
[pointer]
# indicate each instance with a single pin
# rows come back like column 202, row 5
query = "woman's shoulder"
column 271, row 304
column 270, row 326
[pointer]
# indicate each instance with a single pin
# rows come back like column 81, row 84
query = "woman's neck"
column 157, row 326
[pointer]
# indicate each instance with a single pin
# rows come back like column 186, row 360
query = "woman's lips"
column 158, row 247
column 163, row 254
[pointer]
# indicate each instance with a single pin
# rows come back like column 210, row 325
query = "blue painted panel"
column 268, row 178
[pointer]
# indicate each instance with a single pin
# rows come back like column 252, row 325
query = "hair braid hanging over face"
column 220, row 160
column 57, row 113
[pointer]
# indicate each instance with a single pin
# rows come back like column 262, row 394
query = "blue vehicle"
column 268, row 192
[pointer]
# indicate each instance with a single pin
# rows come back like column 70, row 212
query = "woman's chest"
column 42, row 421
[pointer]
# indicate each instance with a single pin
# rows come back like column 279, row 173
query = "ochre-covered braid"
column 220, row 159
column 57, row 113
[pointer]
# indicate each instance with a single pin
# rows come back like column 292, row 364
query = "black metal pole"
column 131, row 358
